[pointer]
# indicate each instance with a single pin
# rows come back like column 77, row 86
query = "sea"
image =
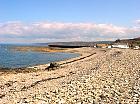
column 10, row 58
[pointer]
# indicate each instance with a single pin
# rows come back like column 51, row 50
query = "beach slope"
column 104, row 77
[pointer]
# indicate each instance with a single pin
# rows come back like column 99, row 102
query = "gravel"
column 108, row 77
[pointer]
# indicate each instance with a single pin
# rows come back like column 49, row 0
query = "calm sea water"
column 16, row 59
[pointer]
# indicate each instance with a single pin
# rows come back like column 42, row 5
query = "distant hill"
column 77, row 44
column 104, row 42
column 136, row 39
column 71, row 44
column 132, row 42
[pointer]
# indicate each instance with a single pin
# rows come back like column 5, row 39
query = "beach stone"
column 52, row 66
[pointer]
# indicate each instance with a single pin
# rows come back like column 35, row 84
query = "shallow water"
column 17, row 59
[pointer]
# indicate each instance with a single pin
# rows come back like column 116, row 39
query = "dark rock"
column 1, row 96
column 52, row 66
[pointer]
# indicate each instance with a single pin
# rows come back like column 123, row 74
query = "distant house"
column 110, row 46
column 95, row 46
column 120, row 45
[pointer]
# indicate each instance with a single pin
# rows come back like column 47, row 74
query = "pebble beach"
column 98, row 76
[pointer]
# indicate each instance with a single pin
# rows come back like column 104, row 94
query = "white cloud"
column 56, row 31
column 137, row 22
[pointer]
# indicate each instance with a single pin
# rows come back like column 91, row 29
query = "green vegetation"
column 138, row 42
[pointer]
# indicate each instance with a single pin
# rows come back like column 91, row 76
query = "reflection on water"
column 15, row 59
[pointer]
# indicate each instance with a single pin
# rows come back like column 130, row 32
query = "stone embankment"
column 107, row 77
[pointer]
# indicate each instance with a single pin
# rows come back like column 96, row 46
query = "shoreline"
column 35, row 68
column 66, row 61
column 38, row 49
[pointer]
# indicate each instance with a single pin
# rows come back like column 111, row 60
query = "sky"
column 33, row 21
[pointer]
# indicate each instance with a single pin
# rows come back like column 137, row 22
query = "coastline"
column 82, row 54
column 109, row 77
column 41, row 66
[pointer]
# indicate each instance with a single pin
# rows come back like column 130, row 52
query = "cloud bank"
column 137, row 22
column 59, row 31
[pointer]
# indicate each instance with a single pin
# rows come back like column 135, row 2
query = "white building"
column 109, row 46
column 120, row 46
column 95, row 46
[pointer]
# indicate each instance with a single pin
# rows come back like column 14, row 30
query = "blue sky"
column 18, row 15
